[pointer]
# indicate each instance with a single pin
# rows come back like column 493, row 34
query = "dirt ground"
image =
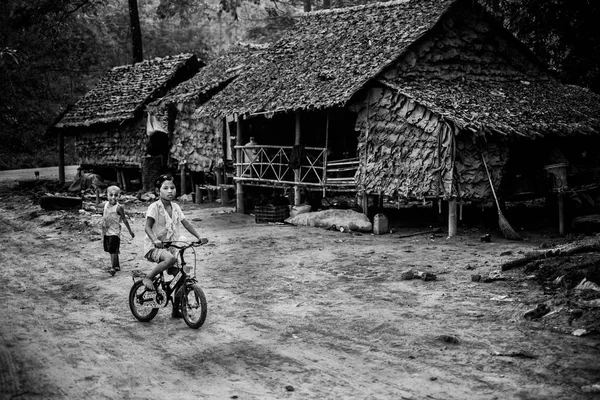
column 294, row 313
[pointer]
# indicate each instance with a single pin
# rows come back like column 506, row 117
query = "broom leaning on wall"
column 507, row 231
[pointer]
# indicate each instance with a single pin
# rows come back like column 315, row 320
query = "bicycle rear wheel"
column 193, row 306
column 141, row 302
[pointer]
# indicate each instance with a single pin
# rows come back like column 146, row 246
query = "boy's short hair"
column 159, row 181
column 113, row 188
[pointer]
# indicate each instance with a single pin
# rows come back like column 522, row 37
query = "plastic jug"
column 380, row 224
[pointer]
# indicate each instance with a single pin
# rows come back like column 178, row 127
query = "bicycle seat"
column 172, row 270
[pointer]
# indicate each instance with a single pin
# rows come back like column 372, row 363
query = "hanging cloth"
column 154, row 125
column 297, row 157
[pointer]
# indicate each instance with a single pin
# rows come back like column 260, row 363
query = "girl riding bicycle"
column 163, row 218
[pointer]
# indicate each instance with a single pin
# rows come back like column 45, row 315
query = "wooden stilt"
column 561, row 215
column 61, row 158
column 125, row 186
column 119, row 179
column 297, row 141
column 183, row 180
column 365, row 203
column 224, row 196
column 239, row 157
column 452, row 218
column 198, row 195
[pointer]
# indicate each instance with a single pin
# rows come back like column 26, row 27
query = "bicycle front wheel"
column 141, row 302
column 193, row 306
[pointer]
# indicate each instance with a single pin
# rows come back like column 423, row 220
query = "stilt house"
column 109, row 124
column 406, row 99
column 199, row 144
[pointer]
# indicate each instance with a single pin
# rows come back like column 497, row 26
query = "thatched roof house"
column 202, row 143
column 108, row 122
column 433, row 85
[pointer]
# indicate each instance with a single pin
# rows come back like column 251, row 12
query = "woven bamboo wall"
column 401, row 145
column 117, row 146
column 197, row 141
column 405, row 147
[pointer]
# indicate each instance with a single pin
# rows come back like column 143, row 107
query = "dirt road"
column 47, row 173
column 294, row 313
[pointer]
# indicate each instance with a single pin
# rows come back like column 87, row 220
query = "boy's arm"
column 190, row 228
column 103, row 222
column 121, row 213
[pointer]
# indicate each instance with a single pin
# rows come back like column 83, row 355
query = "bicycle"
column 144, row 303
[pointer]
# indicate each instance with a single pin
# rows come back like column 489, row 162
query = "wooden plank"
column 341, row 169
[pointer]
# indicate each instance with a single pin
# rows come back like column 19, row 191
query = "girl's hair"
column 159, row 181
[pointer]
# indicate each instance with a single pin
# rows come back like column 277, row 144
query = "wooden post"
column 326, row 155
column 561, row 215
column 198, row 195
column 123, row 179
column 452, row 219
column 239, row 157
column 365, row 203
column 297, row 140
column 182, row 180
column 61, row 158
column 119, row 182
column 224, row 196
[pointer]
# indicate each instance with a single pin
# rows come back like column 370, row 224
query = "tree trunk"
column 307, row 6
column 326, row 4
column 538, row 255
column 136, row 32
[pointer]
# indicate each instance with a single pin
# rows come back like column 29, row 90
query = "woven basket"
column 270, row 213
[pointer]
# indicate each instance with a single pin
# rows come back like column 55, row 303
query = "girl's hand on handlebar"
column 158, row 244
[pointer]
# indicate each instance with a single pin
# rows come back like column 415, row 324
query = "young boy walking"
column 112, row 217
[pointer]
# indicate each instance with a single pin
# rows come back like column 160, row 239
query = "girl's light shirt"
column 165, row 228
column 111, row 221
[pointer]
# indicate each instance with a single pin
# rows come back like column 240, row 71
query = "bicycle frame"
column 166, row 288
column 144, row 303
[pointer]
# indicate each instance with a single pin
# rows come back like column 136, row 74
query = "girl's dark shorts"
column 112, row 244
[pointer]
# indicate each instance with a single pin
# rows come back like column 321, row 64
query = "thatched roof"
column 239, row 59
column 126, row 89
column 522, row 108
column 328, row 56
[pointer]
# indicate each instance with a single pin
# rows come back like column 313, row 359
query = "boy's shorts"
column 112, row 244
column 154, row 254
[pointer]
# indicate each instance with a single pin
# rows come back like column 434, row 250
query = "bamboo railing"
column 270, row 165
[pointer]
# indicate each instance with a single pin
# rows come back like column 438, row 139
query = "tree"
column 136, row 32
column 565, row 34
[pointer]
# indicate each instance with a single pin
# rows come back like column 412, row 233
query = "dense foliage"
column 565, row 34
column 53, row 51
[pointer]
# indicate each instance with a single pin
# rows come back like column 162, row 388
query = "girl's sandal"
column 112, row 271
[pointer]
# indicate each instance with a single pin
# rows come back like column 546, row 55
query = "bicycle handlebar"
column 199, row 243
